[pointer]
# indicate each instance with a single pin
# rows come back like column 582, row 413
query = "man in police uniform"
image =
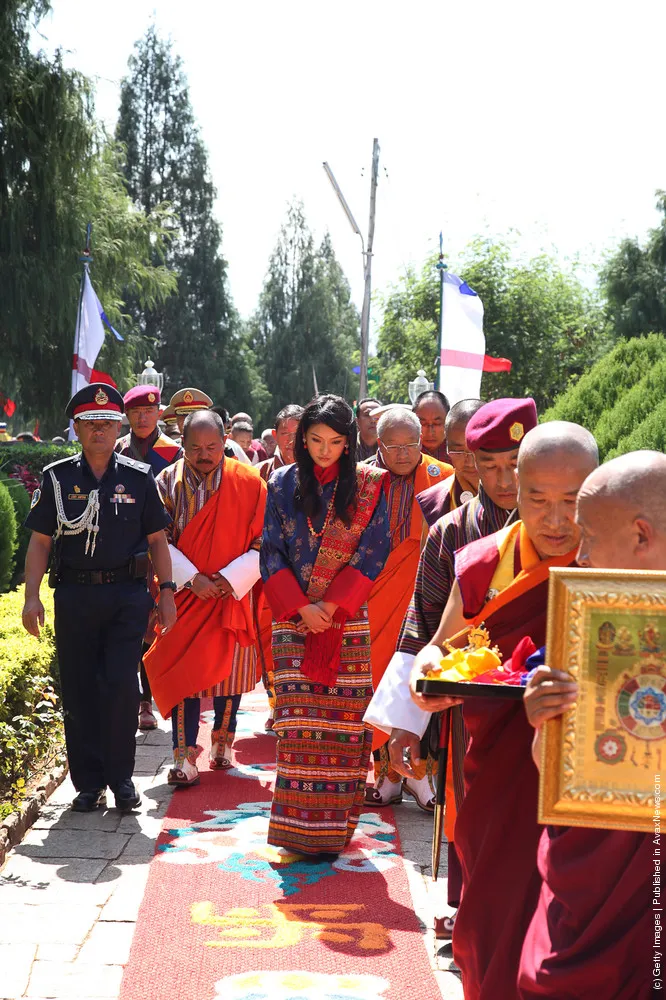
column 105, row 512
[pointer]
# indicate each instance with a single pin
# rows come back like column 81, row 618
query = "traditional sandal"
column 373, row 797
column 183, row 774
column 220, row 764
column 428, row 805
column 444, row 927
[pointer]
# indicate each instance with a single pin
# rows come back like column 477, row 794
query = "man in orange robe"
column 593, row 933
column 502, row 580
column 409, row 473
column 217, row 511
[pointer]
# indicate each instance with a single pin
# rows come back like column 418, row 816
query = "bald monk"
column 442, row 498
column 502, row 580
column 591, row 935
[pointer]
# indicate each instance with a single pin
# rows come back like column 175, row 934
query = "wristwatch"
column 168, row 585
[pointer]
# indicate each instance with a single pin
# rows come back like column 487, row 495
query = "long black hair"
column 339, row 416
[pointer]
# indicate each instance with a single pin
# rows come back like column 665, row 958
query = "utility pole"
column 367, row 258
column 365, row 315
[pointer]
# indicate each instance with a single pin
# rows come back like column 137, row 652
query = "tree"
column 306, row 325
column 634, row 282
column 621, row 399
column 536, row 314
column 55, row 176
column 196, row 333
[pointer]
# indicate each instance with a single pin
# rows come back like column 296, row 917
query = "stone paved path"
column 70, row 893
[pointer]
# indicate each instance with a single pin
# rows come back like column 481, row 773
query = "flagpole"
column 441, row 267
column 86, row 260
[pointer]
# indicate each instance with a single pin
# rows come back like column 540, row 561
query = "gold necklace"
column 329, row 512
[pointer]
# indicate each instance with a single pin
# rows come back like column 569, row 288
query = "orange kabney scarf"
column 198, row 651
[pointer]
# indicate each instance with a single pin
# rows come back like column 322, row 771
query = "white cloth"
column 182, row 570
column 391, row 706
column 242, row 573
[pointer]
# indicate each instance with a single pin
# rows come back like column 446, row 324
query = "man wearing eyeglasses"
column 409, row 472
column 446, row 496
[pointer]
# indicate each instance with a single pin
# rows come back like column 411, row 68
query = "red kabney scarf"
column 338, row 545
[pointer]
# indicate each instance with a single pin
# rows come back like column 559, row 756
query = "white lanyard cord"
column 87, row 521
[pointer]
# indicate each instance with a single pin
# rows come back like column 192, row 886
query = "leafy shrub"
column 30, row 719
column 8, row 533
column 620, row 398
column 32, row 457
column 21, row 500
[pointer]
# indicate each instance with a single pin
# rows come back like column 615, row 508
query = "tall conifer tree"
column 306, row 324
column 196, row 331
column 57, row 174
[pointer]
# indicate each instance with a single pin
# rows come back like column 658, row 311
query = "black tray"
column 469, row 689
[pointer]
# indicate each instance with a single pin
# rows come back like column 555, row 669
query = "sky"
column 540, row 118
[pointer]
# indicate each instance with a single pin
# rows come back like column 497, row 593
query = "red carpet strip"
column 227, row 917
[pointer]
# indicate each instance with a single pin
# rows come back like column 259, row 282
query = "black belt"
column 122, row 574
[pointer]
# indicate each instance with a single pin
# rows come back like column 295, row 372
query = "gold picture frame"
column 601, row 761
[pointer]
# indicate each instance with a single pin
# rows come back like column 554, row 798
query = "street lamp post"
column 419, row 385
column 150, row 376
column 367, row 258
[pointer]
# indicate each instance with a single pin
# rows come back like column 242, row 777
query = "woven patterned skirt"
column 323, row 749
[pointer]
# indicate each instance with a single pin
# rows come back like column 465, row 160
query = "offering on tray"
column 475, row 659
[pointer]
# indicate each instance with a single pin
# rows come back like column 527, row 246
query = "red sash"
column 338, row 545
column 198, row 651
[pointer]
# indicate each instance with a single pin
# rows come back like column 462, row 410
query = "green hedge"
column 31, row 734
column 21, row 500
column 8, row 533
column 621, row 398
column 33, row 457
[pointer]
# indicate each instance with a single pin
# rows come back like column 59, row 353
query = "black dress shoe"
column 126, row 796
column 86, row 802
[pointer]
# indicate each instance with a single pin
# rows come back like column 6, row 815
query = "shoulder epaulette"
column 133, row 464
column 61, row 461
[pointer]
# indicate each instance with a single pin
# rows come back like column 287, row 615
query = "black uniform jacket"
column 130, row 509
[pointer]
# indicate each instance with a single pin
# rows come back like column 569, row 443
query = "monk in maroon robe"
column 592, row 934
column 502, row 580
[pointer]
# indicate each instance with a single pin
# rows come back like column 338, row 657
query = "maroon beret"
column 141, row 395
column 501, row 424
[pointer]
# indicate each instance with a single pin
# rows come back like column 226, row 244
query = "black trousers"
column 99, row 630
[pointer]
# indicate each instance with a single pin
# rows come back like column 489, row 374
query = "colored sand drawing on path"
column 284, row 925
column 235, row 839
column 297, row 985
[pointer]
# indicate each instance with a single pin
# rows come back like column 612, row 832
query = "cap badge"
column 119, row 488
column 188, row 397
column 101, row 397
column 434, row 470
column 516, row 431
column 151, row 397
